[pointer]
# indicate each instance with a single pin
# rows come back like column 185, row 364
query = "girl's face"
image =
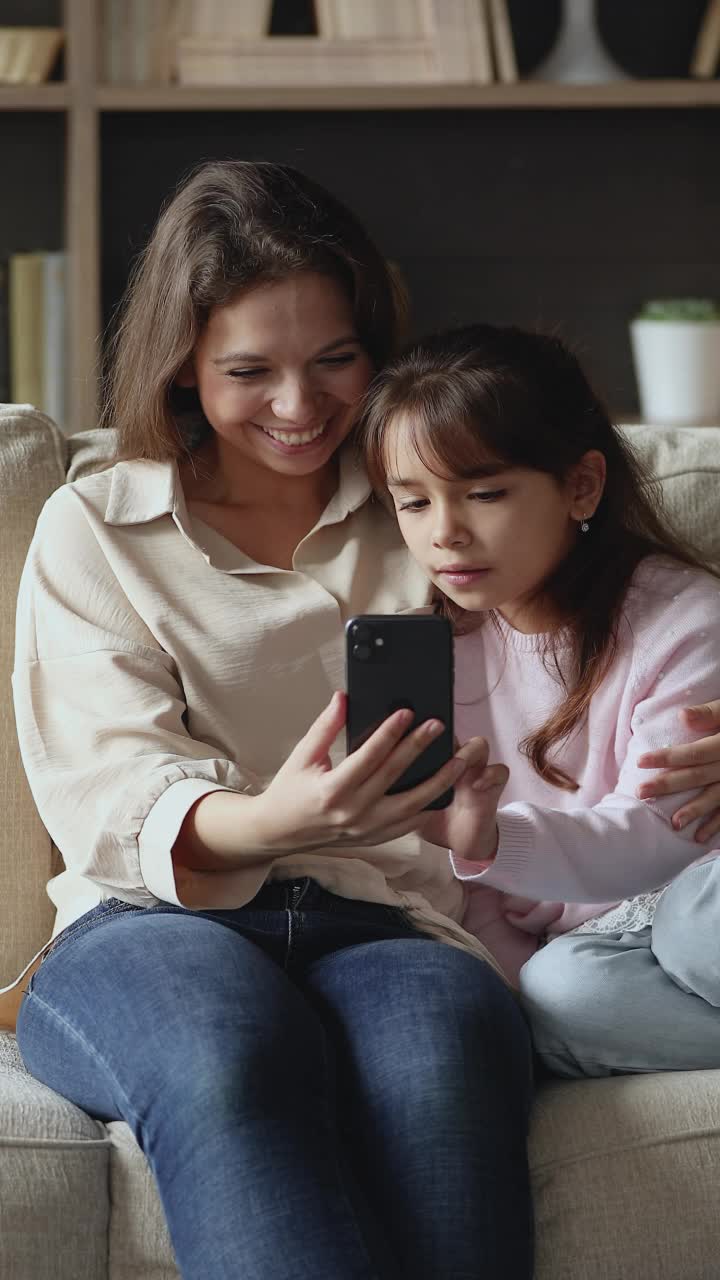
column 279, row 372
column 487, row 542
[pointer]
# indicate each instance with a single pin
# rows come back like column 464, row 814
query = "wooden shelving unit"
column 41, row 97
column 83, row 100
column 526, row 95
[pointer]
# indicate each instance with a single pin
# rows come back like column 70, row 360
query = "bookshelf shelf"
column 528, row 94
column 41, row 97
column 86, row 103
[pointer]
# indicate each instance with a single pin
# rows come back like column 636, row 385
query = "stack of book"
column 139, row 38
column 28, row 54
column 211, row 42
column 33, row 358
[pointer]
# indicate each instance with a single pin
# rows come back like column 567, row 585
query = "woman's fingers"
column 706, row 803
column 471, row 755
column 314, row 746
column 405, row 754
column 387, row 752
column 679, row 780
column 708, row 829
column 704, row 751
column 408, row 804
column 706, row 716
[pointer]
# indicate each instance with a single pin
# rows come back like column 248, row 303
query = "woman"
column 253, row 969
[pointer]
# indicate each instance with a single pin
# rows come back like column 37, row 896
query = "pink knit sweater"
column 565, row 856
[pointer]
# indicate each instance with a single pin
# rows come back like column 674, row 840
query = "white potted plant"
column 676, row 350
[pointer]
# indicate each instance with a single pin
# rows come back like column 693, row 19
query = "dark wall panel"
column 32, row 149
column 565, row 219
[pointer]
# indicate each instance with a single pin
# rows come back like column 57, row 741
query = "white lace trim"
column 628, row 916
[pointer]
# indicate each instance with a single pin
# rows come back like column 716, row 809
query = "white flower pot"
column 677, row 366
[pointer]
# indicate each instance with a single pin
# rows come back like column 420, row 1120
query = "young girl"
column 583, row 625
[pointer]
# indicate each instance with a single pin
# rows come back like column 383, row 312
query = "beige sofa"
column 626, row 1171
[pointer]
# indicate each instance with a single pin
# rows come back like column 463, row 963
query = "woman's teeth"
column 296, row 437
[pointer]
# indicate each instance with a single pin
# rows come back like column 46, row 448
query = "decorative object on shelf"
column 28, row 54
column 579, row 55
column 374, row 19
column 676, row 351
column 706, row 55
column 502, row 41
column 36, row 324
column 249, row 19
column 412, row 42
column 138, row 40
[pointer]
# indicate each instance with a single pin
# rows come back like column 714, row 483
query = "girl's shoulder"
column 665, row 594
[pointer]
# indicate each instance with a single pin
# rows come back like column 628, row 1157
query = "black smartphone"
column 401, row 661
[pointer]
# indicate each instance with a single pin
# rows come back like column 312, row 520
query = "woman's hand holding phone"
column 312, row 804
column 469, row 825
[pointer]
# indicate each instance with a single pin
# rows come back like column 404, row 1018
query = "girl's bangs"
column 448, row 439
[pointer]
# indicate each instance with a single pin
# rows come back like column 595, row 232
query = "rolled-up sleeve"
column 101, row 719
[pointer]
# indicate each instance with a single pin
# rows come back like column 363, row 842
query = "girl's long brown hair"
column 485, row 394
column 231, row 225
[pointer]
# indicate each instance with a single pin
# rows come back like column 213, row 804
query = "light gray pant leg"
column 600, row 1004
column 686, row 931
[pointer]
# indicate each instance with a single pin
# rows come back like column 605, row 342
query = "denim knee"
column 686, row 932
column 558, row 993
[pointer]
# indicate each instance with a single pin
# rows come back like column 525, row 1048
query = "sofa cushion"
column 686, row 461
column 139, row 1240
column 54, row 1160
column 89, row 451
column 625, row 1177
column 32, row 466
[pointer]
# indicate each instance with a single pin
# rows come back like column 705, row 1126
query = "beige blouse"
column 155, row 662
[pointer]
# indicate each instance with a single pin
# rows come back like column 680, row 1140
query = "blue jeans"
column 648, row 1000
column 322, row 1092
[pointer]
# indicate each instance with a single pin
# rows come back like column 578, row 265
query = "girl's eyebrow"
column 250, row 357
column 476, row 473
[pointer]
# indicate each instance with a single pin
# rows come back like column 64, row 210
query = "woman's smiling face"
column 279, row 372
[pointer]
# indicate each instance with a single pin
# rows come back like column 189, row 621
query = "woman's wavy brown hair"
column 231, row 225
column 484, row 394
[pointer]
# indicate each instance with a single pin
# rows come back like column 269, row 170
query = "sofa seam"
column 642, row 1144
column 62, row 1144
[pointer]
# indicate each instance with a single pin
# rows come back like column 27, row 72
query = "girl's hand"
column 309, row 804
column 695, row 764
column 468, row 826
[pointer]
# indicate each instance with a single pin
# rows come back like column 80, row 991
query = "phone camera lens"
column 362, row 652
column 361, row 633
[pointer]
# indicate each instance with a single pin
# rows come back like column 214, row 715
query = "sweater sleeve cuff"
column 160, row 830
column 516, row 842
